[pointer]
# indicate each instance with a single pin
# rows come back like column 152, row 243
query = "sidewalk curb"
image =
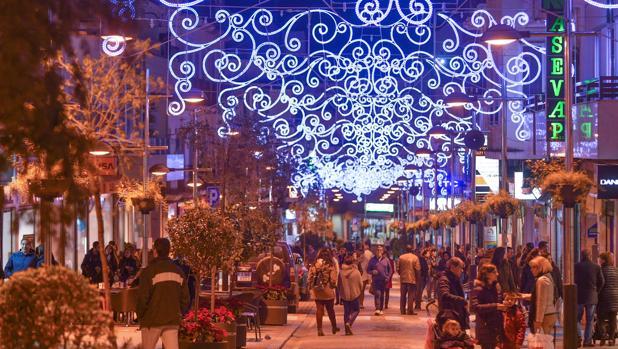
column 294, row 331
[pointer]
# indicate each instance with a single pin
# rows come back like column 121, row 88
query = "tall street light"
column 195, row 97
column 503, row 35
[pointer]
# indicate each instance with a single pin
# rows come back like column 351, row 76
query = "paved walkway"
column 391, row 330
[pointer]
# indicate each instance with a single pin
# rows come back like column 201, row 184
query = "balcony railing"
column 604, row 87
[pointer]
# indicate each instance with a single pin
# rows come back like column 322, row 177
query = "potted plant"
column 209, row 242
column 143, row 198
column 434, row 221
column 198, row 331
column 275, row 309
column 502, row 204
column 236, row 306
column 449, row 219
column 223, row 318
column 567, row 187
column 53, row 307
column 471, row 211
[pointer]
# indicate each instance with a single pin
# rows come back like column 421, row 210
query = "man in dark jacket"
column 20, row 260
column 91, row 265
column 589, row 280
column 379, row 268
column 162, row 296
column 421, row 282
column 450, row 291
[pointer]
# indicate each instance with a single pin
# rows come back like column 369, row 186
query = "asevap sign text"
column 607, row 181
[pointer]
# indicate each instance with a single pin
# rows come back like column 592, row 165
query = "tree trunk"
column 101, row 238
column 213, row 274
column 270, row 268
column 196, row 301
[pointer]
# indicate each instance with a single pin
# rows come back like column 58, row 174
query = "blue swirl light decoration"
column 113, row 44
column 352, row 97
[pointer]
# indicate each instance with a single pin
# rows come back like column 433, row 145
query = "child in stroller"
column 446, row 333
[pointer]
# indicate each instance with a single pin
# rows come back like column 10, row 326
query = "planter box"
column 231, row 334
column 274, row 312
column 189, row 345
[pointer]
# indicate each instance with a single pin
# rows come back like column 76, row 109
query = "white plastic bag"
column 540, row 341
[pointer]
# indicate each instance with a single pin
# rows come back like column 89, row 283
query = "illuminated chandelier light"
column 356, row 107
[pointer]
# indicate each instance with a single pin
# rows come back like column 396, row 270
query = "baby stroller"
column 434, row 328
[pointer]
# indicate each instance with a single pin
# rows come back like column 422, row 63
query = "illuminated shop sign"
column 607, row 181
column 555, row 106
column 375, row 207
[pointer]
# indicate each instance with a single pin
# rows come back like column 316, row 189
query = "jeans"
column 168, row 334
column 590, row 308
column 350, row 311
column 378, row 297
column 420, row 287
column 408, row 293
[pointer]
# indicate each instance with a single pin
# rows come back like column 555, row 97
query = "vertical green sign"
column 554, row 106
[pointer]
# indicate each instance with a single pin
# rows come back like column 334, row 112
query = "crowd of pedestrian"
column 509, row 291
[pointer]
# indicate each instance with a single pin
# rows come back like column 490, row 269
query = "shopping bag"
column 540, row 341
column 429, row 336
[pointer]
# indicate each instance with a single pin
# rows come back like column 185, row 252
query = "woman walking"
column 323, row 276
column 608, row 297
column 351, row 288
column 486, row 304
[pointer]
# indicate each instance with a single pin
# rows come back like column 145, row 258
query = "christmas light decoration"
column 355, row 97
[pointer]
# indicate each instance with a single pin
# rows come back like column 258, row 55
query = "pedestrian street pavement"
column 390, row 331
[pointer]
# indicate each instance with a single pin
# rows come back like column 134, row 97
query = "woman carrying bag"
column 323, row 278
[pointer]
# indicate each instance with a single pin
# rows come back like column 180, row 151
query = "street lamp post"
column 506, row 35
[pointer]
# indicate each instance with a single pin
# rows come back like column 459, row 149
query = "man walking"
column 380, row 269
column 450, row 291
column 20, row 260
column 162, row 296
column 422, row 281
column 589, row 280
column 409, row 272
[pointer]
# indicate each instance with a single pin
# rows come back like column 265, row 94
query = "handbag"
column 540, row 341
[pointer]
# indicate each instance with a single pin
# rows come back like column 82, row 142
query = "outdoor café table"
column 124, row 300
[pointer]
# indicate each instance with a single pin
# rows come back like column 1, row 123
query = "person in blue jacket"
column 20, row 260
column 380, row 269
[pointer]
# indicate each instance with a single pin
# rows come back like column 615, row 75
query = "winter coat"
column 162, row 295
column 608, row 295
column 514, row 326
column 323, row 280
column 112, row 264
column 461, row 340
column 527, row 280
column 543, row 301
column 409, row 268
column 589, row 281
column 351, row 282
column 364, row 262
column 19, row 261
column 389, row 283
column 128, row 268
column 380, row 270
column 89, row 264
column 484, row 302
column 451, row 297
